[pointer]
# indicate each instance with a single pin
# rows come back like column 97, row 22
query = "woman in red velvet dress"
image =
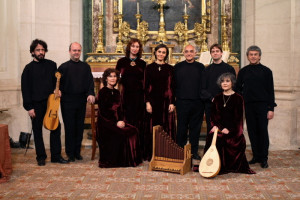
column 132, row 69
column 159, row 95
column 118, row 141
column 227, row 116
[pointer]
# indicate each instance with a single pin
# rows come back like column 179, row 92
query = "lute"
column 210, row 164
column 51, row 119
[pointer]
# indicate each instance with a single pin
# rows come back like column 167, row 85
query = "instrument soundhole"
column 209, row 162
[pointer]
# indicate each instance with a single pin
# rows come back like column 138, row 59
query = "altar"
column 154, row 22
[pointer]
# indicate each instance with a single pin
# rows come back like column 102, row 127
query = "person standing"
column 189, row 105
column 132, row 69
column 77, row 87
column 37, row 83
column 159, row 97
column 255, row 84
column 210, row 76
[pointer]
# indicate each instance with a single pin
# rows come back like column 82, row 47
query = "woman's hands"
column 171, row 108
column 224, row 130
column 121, row 124
column 148, row 107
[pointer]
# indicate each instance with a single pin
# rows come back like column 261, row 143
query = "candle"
column 223, row 7
column 203, row 7
column 120, row 6
column 138, row 8
column 101, row 7
column 185, row 9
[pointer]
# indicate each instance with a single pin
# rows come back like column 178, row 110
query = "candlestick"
column 185, row 9
column 138, row 8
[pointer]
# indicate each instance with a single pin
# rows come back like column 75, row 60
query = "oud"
column 210, row 164
column 51, row 119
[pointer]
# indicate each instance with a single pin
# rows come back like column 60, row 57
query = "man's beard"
column 40, row 57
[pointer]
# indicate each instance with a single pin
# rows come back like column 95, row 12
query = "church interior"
column 104, row 27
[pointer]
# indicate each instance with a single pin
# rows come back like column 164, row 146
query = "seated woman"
column 227, row 116
column 159, row 96
column 118, row 141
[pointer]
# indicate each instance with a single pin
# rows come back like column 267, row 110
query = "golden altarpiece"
column 198, row 32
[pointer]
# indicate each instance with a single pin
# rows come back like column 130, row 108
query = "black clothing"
column 189, row 105
column 211, row 74
column 257, row 125
column 189, row 117
column 76, row 85
column 255, row 83
column 188, row 78
column 76, row 82
column 38, row 82
column 210, row 87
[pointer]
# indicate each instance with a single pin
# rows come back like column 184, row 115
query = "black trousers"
column 40, row 109
column 207, row 109
column 73, row 115
column 257, row 125
column 189, row 117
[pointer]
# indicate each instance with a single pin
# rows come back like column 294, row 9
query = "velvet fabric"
column 231, row 146
column 119, row 147
column 159, row 91
column 132, row 93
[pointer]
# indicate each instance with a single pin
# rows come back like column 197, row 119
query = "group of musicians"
column 147, row 96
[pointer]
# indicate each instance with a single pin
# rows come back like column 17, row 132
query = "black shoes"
column 264, row 164
column 71, row 159
column 41, row 162
column 60, row 160
column 253, row 161
column 196, row 156
column 79, row 157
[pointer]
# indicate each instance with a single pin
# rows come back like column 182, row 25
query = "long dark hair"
column 134, row 40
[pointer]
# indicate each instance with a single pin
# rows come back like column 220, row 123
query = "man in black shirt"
column 255, row 83
column 189, row 105
column 77, row 87
column 210, row 76
column 37, row 83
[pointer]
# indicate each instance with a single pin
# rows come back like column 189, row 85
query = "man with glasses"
column 190, row 108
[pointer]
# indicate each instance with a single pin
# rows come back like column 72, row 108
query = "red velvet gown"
column 231, row 146
column 119, row 147
column 159, row 91
column 132, row 93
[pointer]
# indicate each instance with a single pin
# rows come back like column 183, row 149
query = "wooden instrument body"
column 169, row 164
column 210, row 164
column 51, row 119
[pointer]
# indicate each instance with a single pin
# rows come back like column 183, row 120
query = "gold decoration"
column 119, row 48
column 225, row 46
column 199, row 30
column 100, row 47
column 143, row 32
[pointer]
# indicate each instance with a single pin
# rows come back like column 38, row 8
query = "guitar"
column 210, row 164
column 51, row 120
